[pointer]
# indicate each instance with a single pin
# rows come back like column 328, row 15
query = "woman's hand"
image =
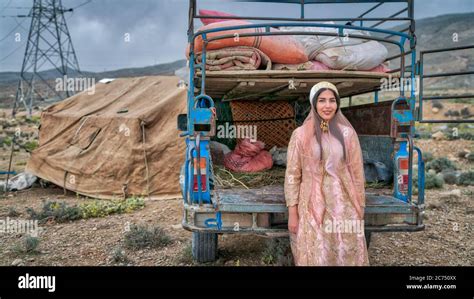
column 293, row 219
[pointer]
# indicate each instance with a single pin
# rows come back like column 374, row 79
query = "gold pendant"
column 324, row 126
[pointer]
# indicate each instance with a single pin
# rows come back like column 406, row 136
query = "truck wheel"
column 204, row 247
column 368, row 235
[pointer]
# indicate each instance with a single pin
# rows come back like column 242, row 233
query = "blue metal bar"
column 420, row 92
column 376, row 96
column 186, row 178
column 421, row 99
column 226, row 36
column 198, row 158
column 250, row 26
column 203, row 96
column 410, row 166
column 370, row 10
column 392, row 16
column 306, row 19
column 191, row 84
column 203, row 63
column 8, row 172
column 191, row 177
column 412, row 87
column 421, row 177
column 302, row 10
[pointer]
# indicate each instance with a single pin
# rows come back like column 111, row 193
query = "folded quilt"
column 235, row 58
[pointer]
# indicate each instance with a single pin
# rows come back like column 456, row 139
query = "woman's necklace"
column 324, row 126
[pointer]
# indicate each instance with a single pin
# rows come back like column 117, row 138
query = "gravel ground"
column 447, row 239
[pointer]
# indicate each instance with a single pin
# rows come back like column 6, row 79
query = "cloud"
column 158, row 28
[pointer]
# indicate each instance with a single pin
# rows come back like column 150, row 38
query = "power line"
column 8, row 34
column 20, row 24
column 11, row 53
column 17, row 7
column 6, row 6
column 82, row 4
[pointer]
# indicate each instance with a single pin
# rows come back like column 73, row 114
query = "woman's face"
column 326, row 105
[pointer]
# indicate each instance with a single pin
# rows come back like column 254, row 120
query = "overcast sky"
column 157, row 28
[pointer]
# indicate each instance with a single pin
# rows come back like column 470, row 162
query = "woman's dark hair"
column 332, row 127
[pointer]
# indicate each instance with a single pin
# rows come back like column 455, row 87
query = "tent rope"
column 146, row 161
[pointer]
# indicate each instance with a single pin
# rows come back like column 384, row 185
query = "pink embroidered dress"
column 330, row 195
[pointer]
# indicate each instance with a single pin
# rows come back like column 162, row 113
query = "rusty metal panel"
column 370, row 119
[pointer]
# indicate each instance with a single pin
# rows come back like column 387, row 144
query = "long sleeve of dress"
column 293, row 171
column 357, row 170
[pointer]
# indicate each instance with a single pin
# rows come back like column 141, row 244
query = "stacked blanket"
column 287, row 52
column 235, row 58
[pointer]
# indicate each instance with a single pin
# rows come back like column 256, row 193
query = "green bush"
column 27, row 246
column 450, row 177
column 278, row 252
column 470, row 157
column 440, row 164
column 186, row 256
column 100, row 208
column 433, row 181
column 467, row 178
column 61, row 212
column 461, row 135
column 119, row 257
column 7, row 141
column 31, row 145
column 424, row 135
column 34, row 119
column 139, row 237
column 31, row 244
column 427, row 156
column 57, row 211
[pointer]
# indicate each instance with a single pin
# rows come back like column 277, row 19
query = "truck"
column 382, row 126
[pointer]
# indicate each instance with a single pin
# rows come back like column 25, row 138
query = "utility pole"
column 49, row 47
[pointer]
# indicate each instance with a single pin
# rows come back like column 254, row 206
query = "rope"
column 142, row 124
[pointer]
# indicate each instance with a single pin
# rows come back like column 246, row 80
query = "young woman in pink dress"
column 324, row 186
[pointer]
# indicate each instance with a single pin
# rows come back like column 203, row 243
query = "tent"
column 119, row 141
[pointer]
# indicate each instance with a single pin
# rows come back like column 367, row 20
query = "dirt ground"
column 447, row 239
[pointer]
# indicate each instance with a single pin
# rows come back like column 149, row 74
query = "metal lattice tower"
column 49, row 47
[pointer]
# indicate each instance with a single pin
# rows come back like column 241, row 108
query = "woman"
column 324, row 186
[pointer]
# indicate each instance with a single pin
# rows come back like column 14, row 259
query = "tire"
column 368, row 236
column 204, row 247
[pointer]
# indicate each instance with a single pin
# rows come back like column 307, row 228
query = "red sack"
column 248, row 156
column 279, row 48
column 205, row 12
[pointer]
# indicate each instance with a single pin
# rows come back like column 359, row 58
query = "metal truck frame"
column 208, row 212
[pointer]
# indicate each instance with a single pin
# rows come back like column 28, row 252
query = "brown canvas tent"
column 120, row 140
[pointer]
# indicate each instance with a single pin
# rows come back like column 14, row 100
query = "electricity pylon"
column 49, row 47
